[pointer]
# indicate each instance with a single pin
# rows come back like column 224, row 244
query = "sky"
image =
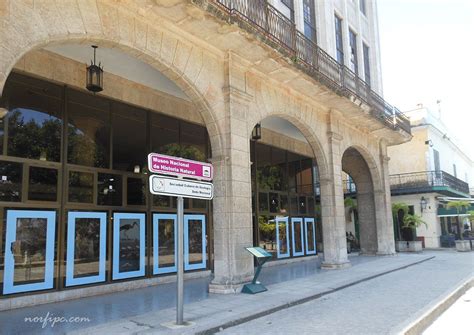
column 427, row 51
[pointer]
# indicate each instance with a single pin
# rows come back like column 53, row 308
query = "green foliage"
column 397, row 206
column 413, row 221
column 183, row 151
column 270, row 178
column 458, row 204
column 350, row 203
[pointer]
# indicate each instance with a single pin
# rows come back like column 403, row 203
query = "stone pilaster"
column 232, row 216
column 383, row 212
column 332, row 209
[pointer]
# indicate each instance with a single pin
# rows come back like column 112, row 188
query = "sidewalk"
column 145, row 310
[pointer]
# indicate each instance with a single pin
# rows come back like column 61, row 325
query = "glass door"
column 128, row 245
column 310, row 236
column 29, row 251
column 86, row 242
column 297, row 238
column 194, row 242
column 282, row 232
column 164, row 246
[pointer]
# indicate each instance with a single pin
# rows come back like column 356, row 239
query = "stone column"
column 332, row 209
column 232, row 214
column 383, row 209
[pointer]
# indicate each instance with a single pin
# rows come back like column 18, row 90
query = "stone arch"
column 358, row 163
column 27, row 28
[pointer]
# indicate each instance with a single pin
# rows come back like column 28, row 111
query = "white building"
column 433, row 167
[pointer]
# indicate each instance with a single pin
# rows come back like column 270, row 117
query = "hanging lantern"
column 257, row 132
column 95, row 76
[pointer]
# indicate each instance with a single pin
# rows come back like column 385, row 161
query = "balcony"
column 280, row 33
column 428, row 181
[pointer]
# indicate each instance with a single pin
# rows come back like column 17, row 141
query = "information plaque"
column 262, row 256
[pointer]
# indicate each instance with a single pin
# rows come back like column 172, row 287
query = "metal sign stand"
column 180, row 264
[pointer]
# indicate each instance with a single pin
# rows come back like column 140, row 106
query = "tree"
column 459, row 205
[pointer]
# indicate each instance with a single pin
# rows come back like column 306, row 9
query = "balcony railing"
column 426, row 181
column 280, row 32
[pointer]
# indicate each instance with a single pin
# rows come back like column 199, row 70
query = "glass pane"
column 195, row 241
column 10, row 181
column 199, row 203
column 109, row 189
column 164, row 134
column 88, row 130
column 161, row 201
column 263, row 201
column 81, row 187
column 193, row 142
column 274, row 203
column 310, row 205
column 135, row 191
column 166, row 242
column 129, row 245
column 302, row 205
column 43, row 184
column 263, row 156
column 29, row 250
column 297, row 236
column 284, row 204
column 267, row 233
column 293, row 204
column 129, row 138
column 34, row 121
column 87, row 247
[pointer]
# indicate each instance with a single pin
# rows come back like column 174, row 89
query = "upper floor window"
column 366, row 63
column 353, row 46
column 339, row 45
column 287, row 9
column 309, row 19
column 362, row 7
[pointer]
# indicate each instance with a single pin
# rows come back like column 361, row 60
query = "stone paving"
column 351, row 292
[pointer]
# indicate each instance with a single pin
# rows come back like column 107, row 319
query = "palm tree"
column 459, row 205
column 409, row 221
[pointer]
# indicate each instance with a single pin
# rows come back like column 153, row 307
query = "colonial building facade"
column 201, row 80
column 428, row 172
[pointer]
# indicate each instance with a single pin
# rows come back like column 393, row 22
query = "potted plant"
column 408, row 228
column 459, row 205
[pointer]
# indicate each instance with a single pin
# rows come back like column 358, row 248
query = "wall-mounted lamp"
column 136, row 169
column 423, row 204
column 429, row 142
column 257, row 132
column 3, row 112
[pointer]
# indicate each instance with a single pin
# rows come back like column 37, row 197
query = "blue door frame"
column 310, row 222
column 116, row 274
column 71, row 239
column 284, row 220
column 202, row 264
column 298, row 221
column 9, row 286
column 156, row 247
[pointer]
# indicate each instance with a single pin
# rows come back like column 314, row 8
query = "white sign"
column 181, row 188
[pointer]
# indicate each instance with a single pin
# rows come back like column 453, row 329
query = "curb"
column 236, row 322
column 427, row 318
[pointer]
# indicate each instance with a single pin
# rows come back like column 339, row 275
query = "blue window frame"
column 71, row 280
column 125, row 245
column 310, row 232
column 13, row 216
column 297, row 236
column 194, row 242
column 157, row 269
column 283, row 242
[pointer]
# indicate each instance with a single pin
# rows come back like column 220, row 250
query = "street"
column 383, row 305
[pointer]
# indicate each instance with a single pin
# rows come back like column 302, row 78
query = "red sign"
column 180, row 167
